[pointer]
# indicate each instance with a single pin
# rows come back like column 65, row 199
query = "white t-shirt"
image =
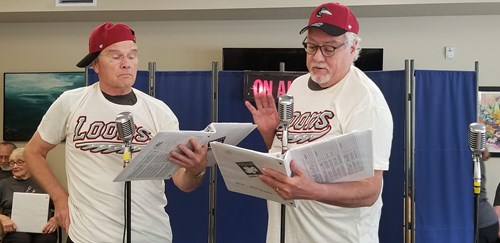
column 86, row 120
column 355, row 103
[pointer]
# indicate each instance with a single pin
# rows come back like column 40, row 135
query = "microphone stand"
column 476, row 145
column 128, row 216
column 477, row 189
column 284, row 148
column 127, row 156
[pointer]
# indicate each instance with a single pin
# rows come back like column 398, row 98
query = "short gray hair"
column 17, row 153
column 350, row 40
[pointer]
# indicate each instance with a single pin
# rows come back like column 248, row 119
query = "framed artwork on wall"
column 489, row 114
column 28, row 95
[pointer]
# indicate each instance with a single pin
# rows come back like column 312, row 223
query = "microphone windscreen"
column 477, row 137
column 125, row 126
column 285, row 108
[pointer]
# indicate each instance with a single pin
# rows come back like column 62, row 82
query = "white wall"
column 193, row 45
column 49, row 5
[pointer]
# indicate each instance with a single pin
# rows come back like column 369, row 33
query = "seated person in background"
column 487, row 219
column 21, row 181
column 6, row 149
column 496, row 207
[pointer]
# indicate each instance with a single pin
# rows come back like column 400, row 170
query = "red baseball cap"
column 103, row 36
column 334, row 19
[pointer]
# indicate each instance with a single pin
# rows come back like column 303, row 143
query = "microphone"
column 477, row 138
column 477, row 141
column 285, row 112
column 126, row 130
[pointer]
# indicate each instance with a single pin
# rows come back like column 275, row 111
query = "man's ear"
column 95, row 65
column 354, row 46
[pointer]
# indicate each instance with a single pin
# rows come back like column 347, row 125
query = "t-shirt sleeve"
column 379, row 120
column 52, row 128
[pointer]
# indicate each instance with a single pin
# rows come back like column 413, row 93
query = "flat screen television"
column 268, row 59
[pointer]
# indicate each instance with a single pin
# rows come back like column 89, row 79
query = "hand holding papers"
column 241, row 168
column 348, row 157
column 152, row 164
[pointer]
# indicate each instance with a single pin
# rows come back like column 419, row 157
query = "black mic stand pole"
column 284, row 148
column 477, row 190
column 127, row 156
column 128, row 221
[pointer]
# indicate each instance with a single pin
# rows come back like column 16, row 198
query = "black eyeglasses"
column 19, row 162
column 326, row 50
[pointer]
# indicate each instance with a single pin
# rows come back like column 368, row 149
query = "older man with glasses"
column 334, row 98
column 6, row 149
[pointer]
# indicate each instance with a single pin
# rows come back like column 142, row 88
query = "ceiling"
column 398, row 10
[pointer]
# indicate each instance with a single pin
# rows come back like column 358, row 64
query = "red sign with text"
column 273, row 82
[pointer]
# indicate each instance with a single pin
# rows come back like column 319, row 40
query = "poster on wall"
column 28, row 95
column 489, row 114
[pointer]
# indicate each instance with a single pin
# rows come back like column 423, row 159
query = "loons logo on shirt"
column 306, row 127
column 102, row 137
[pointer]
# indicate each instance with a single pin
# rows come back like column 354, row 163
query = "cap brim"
column 87, row 60
column 329, row 29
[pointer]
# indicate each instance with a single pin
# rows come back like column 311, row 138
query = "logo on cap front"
column 317, row 25
column 322, row 11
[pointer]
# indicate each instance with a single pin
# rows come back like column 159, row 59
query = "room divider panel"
column 445, row 104
column 392, row 84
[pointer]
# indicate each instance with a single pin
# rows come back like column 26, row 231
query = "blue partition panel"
column 443, row 173
column 392, row 85
column 239, row 214
column 188, row 95
column 445, row 106
column 239, row 218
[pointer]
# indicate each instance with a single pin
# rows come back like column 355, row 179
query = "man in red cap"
column 93, row 208
column 334, row 98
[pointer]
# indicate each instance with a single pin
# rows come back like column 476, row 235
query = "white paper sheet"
column 151, row 163
column 241, row 168
column 30, row 211
column 348, row 157
column 229, row 133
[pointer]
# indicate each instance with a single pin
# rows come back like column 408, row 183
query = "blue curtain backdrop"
column 240, row 218
column 188, row 95
column 445, row 106
column 239, row 214
column 392, row 85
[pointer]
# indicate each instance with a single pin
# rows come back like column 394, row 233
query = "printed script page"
column 348, row 157
column 151, row 163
